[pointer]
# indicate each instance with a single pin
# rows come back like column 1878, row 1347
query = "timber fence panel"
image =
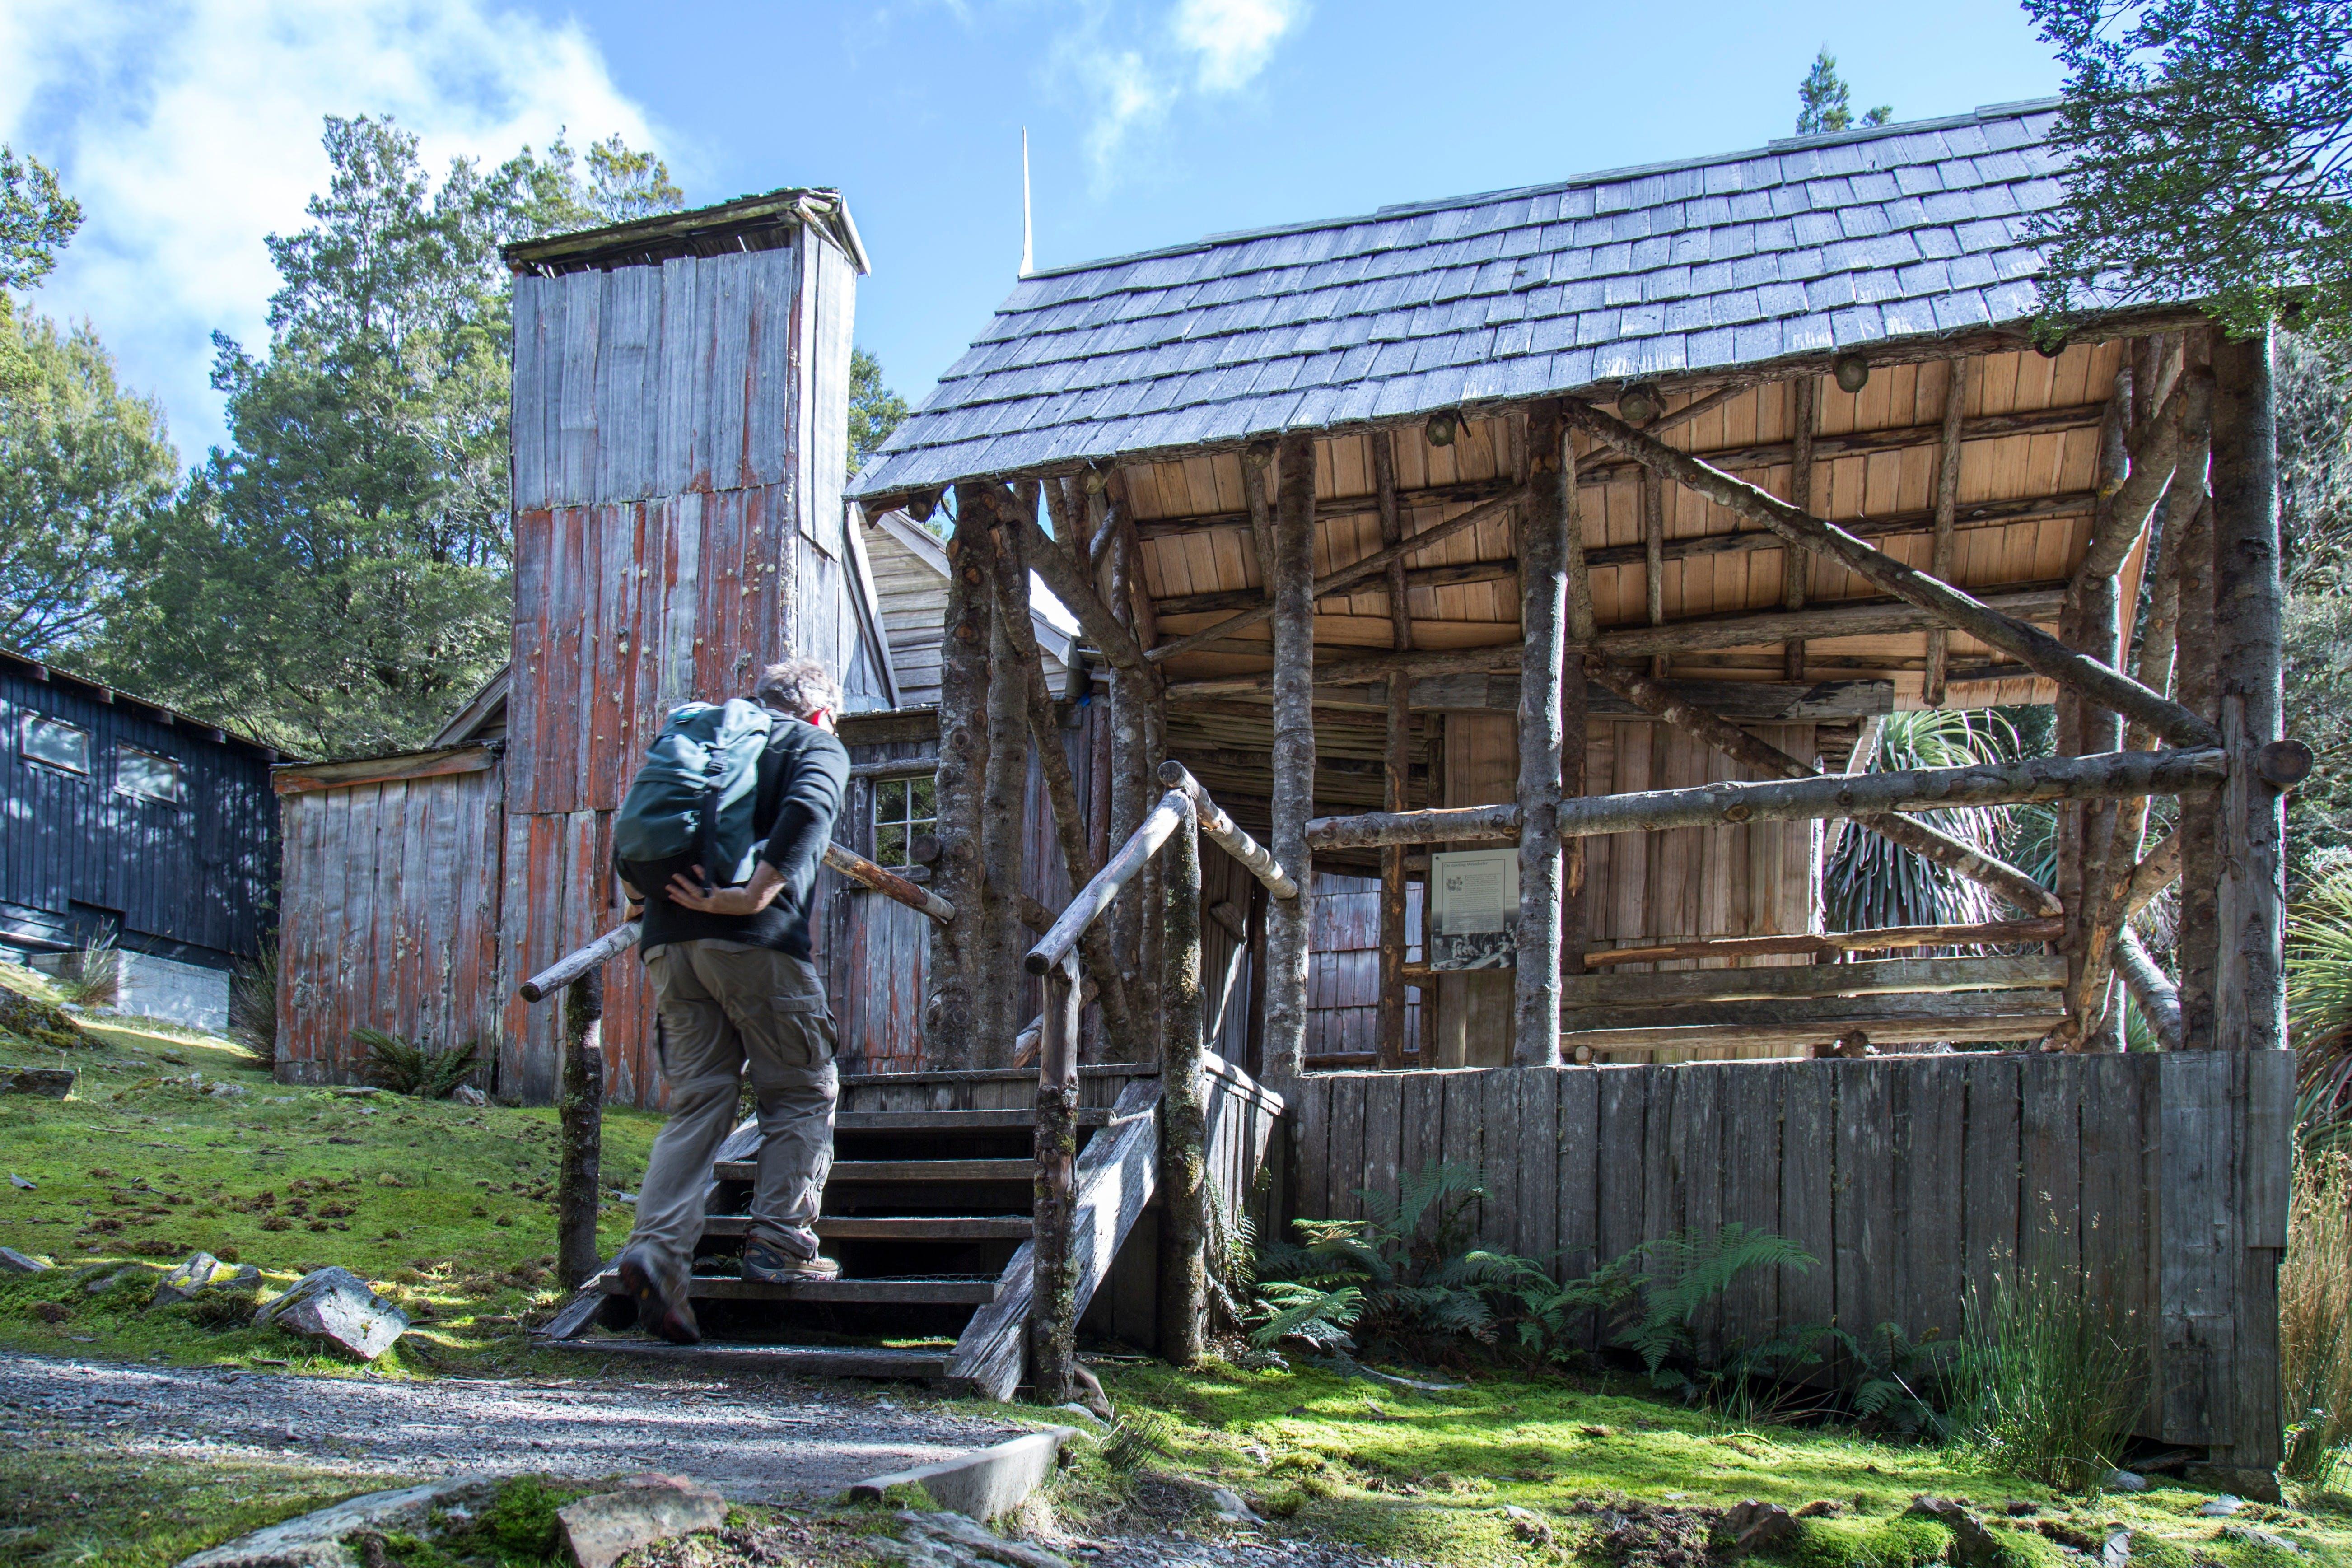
column 2158, row 1180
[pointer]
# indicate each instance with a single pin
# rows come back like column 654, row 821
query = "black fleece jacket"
column 803, row 776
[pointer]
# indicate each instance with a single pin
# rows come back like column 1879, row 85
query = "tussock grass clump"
column 2315, row 1318
column 411, row 1067
column 2052, row 1379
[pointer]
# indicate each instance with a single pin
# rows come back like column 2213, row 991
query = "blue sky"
column 188, row 126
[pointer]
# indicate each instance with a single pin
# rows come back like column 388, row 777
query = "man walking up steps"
column 727, row 949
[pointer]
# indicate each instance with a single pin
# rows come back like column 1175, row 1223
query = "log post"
column 1184, row 1114
column 999, row 1009
column 1940, row 559
column 1544, row 544
column 1795, row 565
column 2250, row 915
column 950, row 1012
column 1653, row 561
column 1286, row 934
column 1027, row 669
column 1395, row 766
column 1052, row 1304
column 583, row 1118
column 2194, row 842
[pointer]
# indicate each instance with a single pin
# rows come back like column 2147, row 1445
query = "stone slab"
column 984, row 1483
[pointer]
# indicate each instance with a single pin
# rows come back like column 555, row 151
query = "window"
column 902, row 809
column 57, row 742
column 147, row 775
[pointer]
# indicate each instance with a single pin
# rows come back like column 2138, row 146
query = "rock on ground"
column 15, row 1262
column 50, row 1083
column 314, row 1539
column 204, row 1272
column 30, row 1018
column 598, row 1529
column 336, row 1305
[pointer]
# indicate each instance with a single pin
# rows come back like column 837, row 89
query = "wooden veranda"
column 1600, row 521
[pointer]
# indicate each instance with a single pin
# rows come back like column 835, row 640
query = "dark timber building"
column 123, row 821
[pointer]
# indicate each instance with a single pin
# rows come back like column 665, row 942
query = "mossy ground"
column 143, row 1165
column 447, row 1210
column 1428, row 1475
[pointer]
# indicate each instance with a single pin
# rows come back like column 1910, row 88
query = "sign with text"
column 1473, row 909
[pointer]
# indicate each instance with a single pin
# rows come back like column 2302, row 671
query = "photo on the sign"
column 1473, row 909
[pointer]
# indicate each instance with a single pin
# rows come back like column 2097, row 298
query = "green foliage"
column 409, row 1066
column 84, row 467
column 1403, row 1274
column 2209, row 140
column 2314, row 396
column 2051, row 1382
column 253, row 1004
column 874, row 409
column 2315, row 1317
column 37, row 220
column 1137, row 1436
column 2319, row 1003
column 1869, row 881
column 92, row 976
column 337, row 579
column 1825, row 103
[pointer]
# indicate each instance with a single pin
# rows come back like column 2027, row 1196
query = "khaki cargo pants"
column 726, row 1006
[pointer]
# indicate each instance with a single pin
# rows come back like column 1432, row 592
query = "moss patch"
column 175, row 1141
column 1428, row 1476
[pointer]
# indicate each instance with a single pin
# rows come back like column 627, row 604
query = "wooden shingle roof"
column 1810, row 245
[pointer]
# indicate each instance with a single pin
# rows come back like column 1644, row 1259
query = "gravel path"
column 758, row 1440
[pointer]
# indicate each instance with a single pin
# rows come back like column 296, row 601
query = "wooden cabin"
column 132, row 825
column 1547, row 550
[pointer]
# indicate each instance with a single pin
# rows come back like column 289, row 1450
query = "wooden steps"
column 886, row 1362
column 895, row 1227
column 928, row 1246
column 892, row 1170
column 963, row 1292
column 953, row 1122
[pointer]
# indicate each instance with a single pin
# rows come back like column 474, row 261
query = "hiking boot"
column 772, row 1263
column 662, row 1307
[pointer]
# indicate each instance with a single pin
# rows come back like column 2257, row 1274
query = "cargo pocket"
column 806, row 1022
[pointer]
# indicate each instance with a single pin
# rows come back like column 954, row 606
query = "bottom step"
column 964, row 1293
column 792, row 1361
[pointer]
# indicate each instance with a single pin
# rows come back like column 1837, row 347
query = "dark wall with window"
column 116, row 815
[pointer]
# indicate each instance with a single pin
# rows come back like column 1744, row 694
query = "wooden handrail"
column 1122, row 868
column 1254, row 857
column 866, row 874
column 580, row 961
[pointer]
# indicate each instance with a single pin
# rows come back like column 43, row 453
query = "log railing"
column 580, row 976
column 1172, row 827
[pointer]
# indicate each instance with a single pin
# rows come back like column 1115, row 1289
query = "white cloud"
column 1203, row 48
column 190, row 130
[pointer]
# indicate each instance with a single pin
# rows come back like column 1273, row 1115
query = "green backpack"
column 691, row 801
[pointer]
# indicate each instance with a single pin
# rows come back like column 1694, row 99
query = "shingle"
column 1972, row 271
column 1935, row 242
column 1829, row 291
column 1715, row 346
column 1878, row 284
column 1624, row 290
column 2011, row 301
column 1595, row 327
column 1904, row 317
column 1781, row 299
column 1820, row 228
column 1960, row 309
column 1753, row 271
column 1856, row 324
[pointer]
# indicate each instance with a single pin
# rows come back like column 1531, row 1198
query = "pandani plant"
column 1868, row 881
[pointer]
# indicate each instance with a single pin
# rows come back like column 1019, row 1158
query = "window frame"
column 34, row 720
column 179, row 775
column 908, row 823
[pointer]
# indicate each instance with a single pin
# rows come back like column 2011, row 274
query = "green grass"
column 447, row 1209
column 1428, row 1475
column 64, row 1501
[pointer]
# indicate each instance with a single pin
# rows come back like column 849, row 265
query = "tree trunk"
column 1286, row 934
column 951, row 1010
column 2250, row 978
column 577, row 1179
column 1000, row 1011
column 1804, row 416
column 1027, row 669
column 1395, row 763
column 1184, row 1116
column 1053, row 1303
column 1544, row 544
